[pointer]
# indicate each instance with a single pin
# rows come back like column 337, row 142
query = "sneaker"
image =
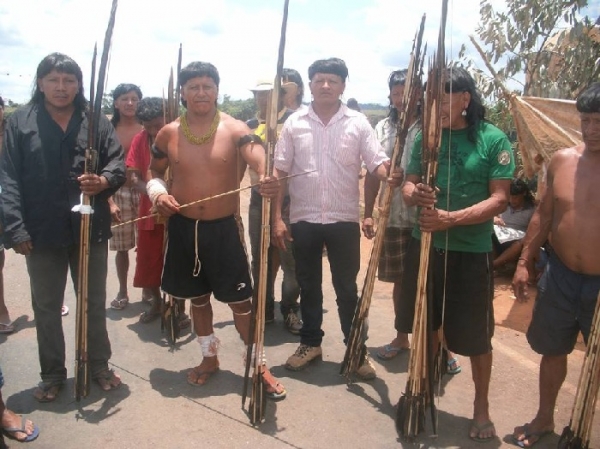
column 293, row 323
column 303, row 355
column 366, row 371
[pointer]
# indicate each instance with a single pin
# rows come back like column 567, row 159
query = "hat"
column 262, row 85
column 265, row 84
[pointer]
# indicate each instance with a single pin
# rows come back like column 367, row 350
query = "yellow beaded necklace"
column 185, row 128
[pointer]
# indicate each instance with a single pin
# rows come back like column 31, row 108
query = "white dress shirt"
column 329, row 194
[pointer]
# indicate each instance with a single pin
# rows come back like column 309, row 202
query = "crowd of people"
column 145, row 164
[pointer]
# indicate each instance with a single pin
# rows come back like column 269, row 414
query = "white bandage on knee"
column 262, row 357
column 209, row 345
column 155, row 188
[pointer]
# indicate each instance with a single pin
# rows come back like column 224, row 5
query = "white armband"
column 155, row 188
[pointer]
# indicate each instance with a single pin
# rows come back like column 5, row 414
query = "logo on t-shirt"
column 504, row 158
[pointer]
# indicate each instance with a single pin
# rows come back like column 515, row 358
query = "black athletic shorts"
column 465, row 300
column 221, row 265
column 564, row 306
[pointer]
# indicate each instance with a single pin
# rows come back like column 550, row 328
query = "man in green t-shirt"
column 475, row 167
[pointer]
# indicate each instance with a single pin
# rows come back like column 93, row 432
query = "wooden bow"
column 412, row 91
column 410, row 417
column 258, row 393
column 82, row 373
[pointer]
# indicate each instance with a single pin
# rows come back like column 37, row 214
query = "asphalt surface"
column 155, row 407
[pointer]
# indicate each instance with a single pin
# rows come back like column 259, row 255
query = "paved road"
column 157, row 408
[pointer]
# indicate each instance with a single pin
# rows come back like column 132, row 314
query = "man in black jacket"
column 42, row 178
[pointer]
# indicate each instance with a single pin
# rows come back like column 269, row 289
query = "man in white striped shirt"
column 329, row 140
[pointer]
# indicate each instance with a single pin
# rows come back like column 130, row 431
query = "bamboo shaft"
column 354, row 352
column 589, row 383
column 81, row 358
column 210, row 198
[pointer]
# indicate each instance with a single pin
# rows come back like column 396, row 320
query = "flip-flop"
column 206, row 375
column 7, row 328
column 527, row 436
column 119, row 303
column 10, row 431
column 275, row 390
column 388, row 352
column 148, row 316
column 47, row 391
column 453, row 362
column 480, row 428
column 105, row 379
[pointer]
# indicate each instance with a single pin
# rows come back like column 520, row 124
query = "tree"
column 545, row 46
column 107, row 102
column 546, row 42
column 239, row 109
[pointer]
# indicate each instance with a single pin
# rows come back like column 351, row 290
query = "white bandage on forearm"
column 155, row 188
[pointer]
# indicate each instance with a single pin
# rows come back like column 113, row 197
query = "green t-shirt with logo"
column 470, row 167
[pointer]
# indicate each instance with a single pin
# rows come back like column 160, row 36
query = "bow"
column 257, row 332
column 91, row 155
column 170, row 311
column 355, row 348
column 410, row 417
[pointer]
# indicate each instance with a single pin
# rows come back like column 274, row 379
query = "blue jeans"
column 48, row 278
column 342, row 241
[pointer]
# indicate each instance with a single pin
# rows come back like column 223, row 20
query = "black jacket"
column 39, row 167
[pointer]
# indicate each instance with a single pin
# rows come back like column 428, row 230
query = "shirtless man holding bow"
column 207, row 152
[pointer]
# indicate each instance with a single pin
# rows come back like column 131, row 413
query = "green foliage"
column 107, row 102
column 239, row 109
column 544, row 40
column 9, row 108
column 545, row 46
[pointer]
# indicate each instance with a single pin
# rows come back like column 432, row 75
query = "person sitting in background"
column 510, row 226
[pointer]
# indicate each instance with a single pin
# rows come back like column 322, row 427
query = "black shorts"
column 468, row 312
column 564, row 306
column 223, row 263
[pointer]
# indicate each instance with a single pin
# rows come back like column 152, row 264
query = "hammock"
column 544, row 125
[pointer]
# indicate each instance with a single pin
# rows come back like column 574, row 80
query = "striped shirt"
column 401, row 215
column 329, row 194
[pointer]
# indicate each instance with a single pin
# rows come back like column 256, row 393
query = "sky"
column 240, row 37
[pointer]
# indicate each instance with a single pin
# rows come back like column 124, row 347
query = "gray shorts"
column 564, row 307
